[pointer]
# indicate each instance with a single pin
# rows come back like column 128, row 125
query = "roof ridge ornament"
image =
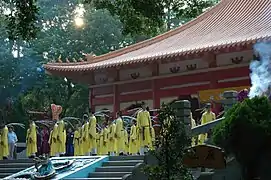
column 59, row 59
column 90, row 57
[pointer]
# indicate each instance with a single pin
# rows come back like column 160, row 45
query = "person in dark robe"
column 39, row 141
column 69, row 143
column 45, row 141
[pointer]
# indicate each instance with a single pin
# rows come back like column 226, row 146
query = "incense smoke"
column 260, row 75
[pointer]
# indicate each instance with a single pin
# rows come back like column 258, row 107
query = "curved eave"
column 81, row 67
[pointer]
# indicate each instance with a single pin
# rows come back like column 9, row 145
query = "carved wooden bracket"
column 103, row 79
column 191, row 67
column 237, row 60
column 135, row 75
column 175, row 69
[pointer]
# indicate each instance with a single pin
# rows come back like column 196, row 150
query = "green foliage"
column 22, row 17
column 171, row 146
column 141, row 17
column 246, row 130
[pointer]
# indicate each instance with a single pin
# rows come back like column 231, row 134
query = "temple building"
column 201, row 59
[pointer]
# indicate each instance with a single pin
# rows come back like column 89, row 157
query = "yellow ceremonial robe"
column 126, row 142
column 92, row 133
column 104, row 142
column 31, row 140
column 98, row 136
column 206, row 117
column 81, row 142
column 85, row 138
column 193, row 124
column 1, row 156
column 53, row 141
column 119, row 134
column 76, row 143
column 61, row 137
column 144, row 125
column 111, row 138
column 133, row 143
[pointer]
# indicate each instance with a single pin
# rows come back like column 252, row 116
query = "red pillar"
column 91, row 97
column 116, row 102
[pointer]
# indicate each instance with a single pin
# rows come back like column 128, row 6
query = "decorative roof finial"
column 59, row 59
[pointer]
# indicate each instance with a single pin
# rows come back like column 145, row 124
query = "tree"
column 246, row 133
column 170, row 148
column 141, row 17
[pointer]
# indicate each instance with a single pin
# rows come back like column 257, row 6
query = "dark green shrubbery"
column 246, row 134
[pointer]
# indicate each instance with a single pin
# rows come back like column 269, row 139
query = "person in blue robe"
column 69, row 143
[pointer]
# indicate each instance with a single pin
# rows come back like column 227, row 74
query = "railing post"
column 230, row 98
column 182, row 109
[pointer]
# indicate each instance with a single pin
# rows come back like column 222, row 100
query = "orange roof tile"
column 230, row 23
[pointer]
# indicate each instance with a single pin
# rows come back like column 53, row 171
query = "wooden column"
column 116, row 95
column 155, row 98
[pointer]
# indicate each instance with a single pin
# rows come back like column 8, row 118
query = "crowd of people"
column 112, row 139
column 86, row 139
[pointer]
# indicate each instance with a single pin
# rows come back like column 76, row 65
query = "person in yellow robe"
column 119, row 135
column 104, row 141
column 76, row 141
column 193, row 124
column 111, row 137
column 133, row 142
column 81, row 140
column 207, row 116
column 61, row 138
column 92, row 134
column 98, row 135
column 85, row 136
column 1, row 157
column 144, row 125
column 4, row 141
column 126, row 142
column 53, row 141
column 31, row 140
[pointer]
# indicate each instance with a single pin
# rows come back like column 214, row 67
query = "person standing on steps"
column 61, row 138
column 92, row 133
column 76, row 141
column 111, row 137
column 53, row 141
column 207, row 116
column 119, row 135
column 144, row 126
column 85, row 135
column 12, row 140
column 133, row 142
column 31, row 140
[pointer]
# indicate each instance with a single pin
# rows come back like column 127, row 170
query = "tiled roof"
column 230, row 23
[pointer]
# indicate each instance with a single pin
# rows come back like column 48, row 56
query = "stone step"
column 16, row 165
column 121, row 158
column 115, row 169
column 103, row 178
column 122, row 163
column 107, row 174
column 3, row 175
column 10, row 170
column 16, row 161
